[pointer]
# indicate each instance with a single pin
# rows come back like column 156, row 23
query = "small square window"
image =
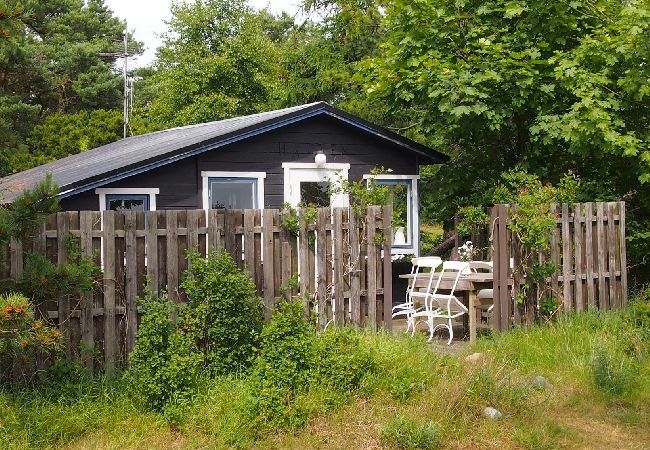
column 315, row 193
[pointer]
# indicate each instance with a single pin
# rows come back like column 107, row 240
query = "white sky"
column 146, row 19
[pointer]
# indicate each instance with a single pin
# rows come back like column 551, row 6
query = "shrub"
column 21, row 336
column 165, row 362
column 406, row 434
column 343, row 360
column 283, row 367
column 224, row 313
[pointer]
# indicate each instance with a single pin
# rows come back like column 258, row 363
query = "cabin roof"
column 137, row 154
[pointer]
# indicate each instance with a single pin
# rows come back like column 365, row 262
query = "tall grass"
column 414, row 398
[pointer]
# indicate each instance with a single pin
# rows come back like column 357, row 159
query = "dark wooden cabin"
column 257, row 161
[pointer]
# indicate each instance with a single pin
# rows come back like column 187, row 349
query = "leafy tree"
column 319, row 57
column 216, row 62
column 543, row 86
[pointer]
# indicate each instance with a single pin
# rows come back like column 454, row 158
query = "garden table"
column 470, row 283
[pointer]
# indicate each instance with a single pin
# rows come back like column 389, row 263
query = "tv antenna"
column 128, row 88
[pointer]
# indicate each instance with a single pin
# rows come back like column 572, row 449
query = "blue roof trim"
column 231, row 140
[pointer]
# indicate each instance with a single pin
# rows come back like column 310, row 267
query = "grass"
column 418, row 399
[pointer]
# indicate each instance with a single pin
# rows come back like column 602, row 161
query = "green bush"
column 283, row 367
column 404, row 433
column 21, row 338
column 165, row 363
column 430, row 240
column 343, row 360
column 224, row 313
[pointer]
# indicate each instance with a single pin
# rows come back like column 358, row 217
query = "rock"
column 492, row 413
column 474, row 357
column 539, row 382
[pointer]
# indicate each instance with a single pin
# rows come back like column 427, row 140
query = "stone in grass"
column 474, row 357
column 539, row 382
column 492, row 413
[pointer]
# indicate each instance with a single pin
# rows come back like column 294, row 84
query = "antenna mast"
column 126, row 81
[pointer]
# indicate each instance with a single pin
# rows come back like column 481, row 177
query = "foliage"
column 405, row 433
column 61, row 135
column 283, row 368
column 532, row 221
column 295, row 364
column 210, row 48
column 99, row 413
column 21, row 218
column 223, row 313
column 165, row 363
column 497, row 85
column 291, row 220
column 366, row 192
column 639, row 309
column 58, row 59
column 613, row 374
column 43, row 280
column 430, row 240
column 342, row 361
column 472, row 218
column 22, row 336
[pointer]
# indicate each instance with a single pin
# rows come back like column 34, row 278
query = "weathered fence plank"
column 321, row 264
column 110, row 336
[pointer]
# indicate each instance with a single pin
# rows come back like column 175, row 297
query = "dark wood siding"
column 180, row 182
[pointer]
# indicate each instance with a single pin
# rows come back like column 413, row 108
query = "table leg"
column 472, row 316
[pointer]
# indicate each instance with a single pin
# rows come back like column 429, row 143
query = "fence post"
column 623, row 254
column 388, row 266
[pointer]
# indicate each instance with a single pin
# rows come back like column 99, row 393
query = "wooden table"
column 470, row 283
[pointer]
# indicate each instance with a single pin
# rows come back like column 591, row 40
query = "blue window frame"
column 127, row 202
column 232, row 193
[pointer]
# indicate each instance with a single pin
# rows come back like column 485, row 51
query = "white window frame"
column 414, row 204
column 337, row 200
column 206, row 175
column 151, row 192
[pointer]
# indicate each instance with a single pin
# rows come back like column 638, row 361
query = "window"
column 127, row 199
column 233, row 190
column 315, row 193
column 404, row 199
column 115, row 202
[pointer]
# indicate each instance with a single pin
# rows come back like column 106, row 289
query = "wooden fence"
column 336, row 259
column 588, row 249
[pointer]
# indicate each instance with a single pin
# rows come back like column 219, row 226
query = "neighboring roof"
column 137, row 154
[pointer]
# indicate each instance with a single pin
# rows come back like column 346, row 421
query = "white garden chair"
column 408, row 308
column 439, row 306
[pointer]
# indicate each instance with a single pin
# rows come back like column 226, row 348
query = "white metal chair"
column 408, row 308
column 446, row 307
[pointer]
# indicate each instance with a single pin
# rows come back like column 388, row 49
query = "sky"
column 146, row 19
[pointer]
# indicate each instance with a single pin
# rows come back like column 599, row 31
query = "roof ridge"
column 233, row 119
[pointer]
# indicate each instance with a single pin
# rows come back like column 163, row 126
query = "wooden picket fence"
column 587, row 247
column 336, row 258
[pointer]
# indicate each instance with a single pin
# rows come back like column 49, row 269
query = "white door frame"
column 298, row 172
